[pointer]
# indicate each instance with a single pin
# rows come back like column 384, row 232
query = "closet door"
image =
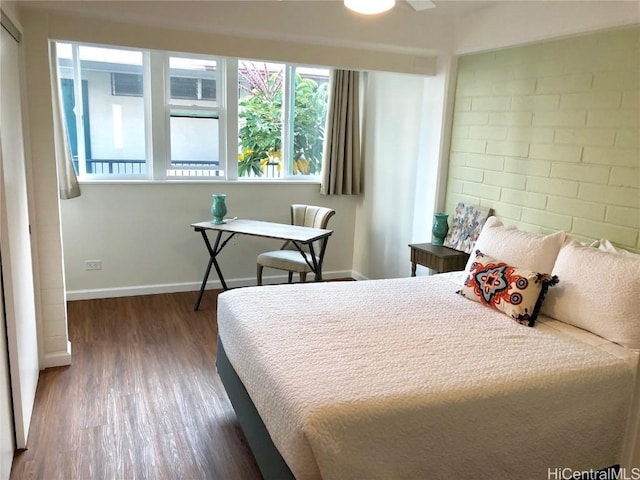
column 17, row 268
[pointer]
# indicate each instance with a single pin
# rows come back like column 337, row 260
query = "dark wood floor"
column 141, row 400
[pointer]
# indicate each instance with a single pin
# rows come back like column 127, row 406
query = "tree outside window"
column 262, row 89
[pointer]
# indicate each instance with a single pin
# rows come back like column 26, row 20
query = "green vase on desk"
column 440, row 228
column 218, row 208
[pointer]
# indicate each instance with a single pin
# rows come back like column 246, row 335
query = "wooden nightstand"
column 440, row 259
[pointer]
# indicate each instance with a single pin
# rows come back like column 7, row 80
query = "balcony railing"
column 179, row 168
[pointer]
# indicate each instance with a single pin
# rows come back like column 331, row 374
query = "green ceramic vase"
column 440, row 228
column 218, row 208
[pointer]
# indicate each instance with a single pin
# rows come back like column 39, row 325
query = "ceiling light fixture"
column 369, row 7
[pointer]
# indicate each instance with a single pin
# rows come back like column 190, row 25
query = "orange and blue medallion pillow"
column 514, row 291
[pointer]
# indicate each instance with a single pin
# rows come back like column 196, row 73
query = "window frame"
column 156, row 93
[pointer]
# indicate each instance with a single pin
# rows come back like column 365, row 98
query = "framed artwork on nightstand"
column 466, row 226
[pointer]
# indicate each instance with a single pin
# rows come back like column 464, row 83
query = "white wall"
column 142, row 234
column 513, row 23
column 395, row 167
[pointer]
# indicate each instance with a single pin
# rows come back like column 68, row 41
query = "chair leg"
column 303, row 277
column 290, row 277
column 260, row 267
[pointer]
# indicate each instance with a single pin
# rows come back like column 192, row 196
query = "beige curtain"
column 341, row 159
column 67, row 181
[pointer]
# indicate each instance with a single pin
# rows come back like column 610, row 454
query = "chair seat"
column 291, row 260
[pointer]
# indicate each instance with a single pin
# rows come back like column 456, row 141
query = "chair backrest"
column 311, row 216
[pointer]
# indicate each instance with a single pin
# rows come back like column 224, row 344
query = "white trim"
column 130, row 291
column 58, row 359
column 358, row 276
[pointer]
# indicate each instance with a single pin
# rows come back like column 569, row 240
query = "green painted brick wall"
column 547, row 135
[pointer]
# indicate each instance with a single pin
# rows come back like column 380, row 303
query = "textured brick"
column 471, row 118
column 510, row 119
column 544, row 68
column 613, row 118
column 546, row 219
column 591, row 100
column 619, row 235
column 486, row 162
column 465, row 173
column 454, row 185
column 625, row 177
column 617, row 80
column 595, row 61
column 491, row 104
column 553, row 186
column 561, row 119
column 522, row 198
column 458, row 158
column 622, row 196
column 630, row 99
column 564, row 83
column 481, row 190
column 580, row 124
column 576, row 208
column 559, row 153
column 627, row 137
column 468, row 145
column 501, row 179
column 460, row 131
column 488, row 133
column 623, row 216
column 585, row 136
column 624, row 38
column 624, row 157
column 538, row 168
column 472, row 87
column 456, row 198
column 581, row 173
column 515, row 87
column 515, row 149
column 502, row 210
column 462, row 104
column 530, row 134
column 534, row 103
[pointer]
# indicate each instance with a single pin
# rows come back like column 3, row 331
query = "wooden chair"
column 288, row 257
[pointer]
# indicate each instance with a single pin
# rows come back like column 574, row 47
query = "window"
column 193, row 118
column 282, row 111
column 140, row 114
column 126, row 84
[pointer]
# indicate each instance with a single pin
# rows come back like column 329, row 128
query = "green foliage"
column 261, row 134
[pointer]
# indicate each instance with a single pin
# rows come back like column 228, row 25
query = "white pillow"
column 599, row 291
column 526, row 250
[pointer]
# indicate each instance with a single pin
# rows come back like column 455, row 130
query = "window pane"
column 310, row 114
column 193, row 81
column 260, row 118
column 194, row 146
column 114, row 124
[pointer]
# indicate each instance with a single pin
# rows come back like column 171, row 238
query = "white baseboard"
column 57, row 359
column 129, row 291
column 358, row 276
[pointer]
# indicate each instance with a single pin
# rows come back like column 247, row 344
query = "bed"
column 405, row 378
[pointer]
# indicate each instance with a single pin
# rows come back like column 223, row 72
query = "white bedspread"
column 392, row 379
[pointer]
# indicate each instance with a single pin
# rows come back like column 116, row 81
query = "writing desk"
column 298, row 236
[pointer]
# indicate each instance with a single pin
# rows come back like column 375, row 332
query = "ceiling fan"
column 372, row 7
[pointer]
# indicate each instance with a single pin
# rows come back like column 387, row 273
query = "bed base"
column 268, row 458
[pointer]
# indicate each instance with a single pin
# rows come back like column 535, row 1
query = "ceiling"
column 324, row 22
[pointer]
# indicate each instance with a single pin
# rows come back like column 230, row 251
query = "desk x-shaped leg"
column 213, row 253
column 315, row 264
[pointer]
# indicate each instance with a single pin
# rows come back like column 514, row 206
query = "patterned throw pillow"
column 518, row 293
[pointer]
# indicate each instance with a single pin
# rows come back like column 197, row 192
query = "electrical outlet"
column 93, row 264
